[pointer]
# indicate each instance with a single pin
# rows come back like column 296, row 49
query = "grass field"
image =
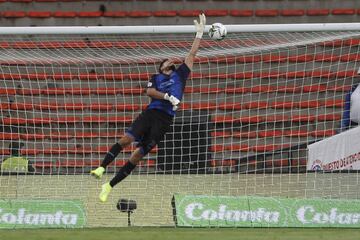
column 181, row 233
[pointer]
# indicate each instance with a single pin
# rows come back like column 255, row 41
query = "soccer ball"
column 217, row 31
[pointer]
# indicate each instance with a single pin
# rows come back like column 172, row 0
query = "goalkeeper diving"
column 166, row 90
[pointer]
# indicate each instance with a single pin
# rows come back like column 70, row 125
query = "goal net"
column 252, row 105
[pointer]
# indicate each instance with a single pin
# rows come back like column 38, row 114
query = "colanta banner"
column 249, row 211
column 41, row 214
column 339, row 152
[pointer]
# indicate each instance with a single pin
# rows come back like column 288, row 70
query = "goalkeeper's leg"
column 111, row 155
column 106, row 188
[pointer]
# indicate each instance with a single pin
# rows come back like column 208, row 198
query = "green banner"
column 249, row 211
column 41, row 214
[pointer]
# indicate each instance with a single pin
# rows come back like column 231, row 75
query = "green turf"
column 182, row 233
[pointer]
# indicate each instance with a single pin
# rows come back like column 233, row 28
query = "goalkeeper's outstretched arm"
column 200, row 26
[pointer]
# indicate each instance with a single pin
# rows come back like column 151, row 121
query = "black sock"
column 123, row 173
column 111, row 155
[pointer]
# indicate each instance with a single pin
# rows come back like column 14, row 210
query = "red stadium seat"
column 13, row 14
column 189, row 13
column 237, row 90
column 303, row 118
column 275, row 118
column 54, row 91
column 241, row 13
column 296, row 133
column 21, row 1
column 36, row 14
column 292, row 12
column 274, row 58
column 216, row 13
column 315, row 88
column 318, row 12
column 115, row 14
column 323, row 133
column 288, row 89
column 48, row 106
column 277, row 163
column 270, row 133
column 132, row 91
column 106, row 91
column 127, row 107
column 165, row 13
column 101, row 107
column 269, row 147
column 74, row 44
column 35, row 136
column 63, row 14
column 267, row 13
column 345, row 74
column 4, row 106
column 137, row 14
column 7, row 91
column 22, row 106
column 339, row 103
column 74, row 106
column 262, row 89
column 343, row 11
column 283, row 105
column 68, row 119
column 255, row 105
column 9, row 136
column 230, row 106
column 90, row 14
column 309, row 104
column 329, row 117
column 326, row 58
column 237, row 148
column 350, row 57
column 301, row 58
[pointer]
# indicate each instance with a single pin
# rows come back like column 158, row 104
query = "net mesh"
column 253, row 103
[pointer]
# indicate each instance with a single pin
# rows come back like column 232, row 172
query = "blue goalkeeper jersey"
column 172, row 84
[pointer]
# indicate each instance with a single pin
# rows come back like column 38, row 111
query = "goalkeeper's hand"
column 173, row 100
column 200, row 26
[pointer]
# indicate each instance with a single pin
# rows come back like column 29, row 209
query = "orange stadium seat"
column 318, row 12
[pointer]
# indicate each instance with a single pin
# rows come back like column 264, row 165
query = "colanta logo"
column 197, row 212
column 26, row 217
column 310, row 215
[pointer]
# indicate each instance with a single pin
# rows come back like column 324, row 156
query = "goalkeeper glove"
column 173, row 100
column 200, row 26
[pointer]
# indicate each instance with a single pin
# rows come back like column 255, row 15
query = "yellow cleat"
column 105, row 191
column 97, row 173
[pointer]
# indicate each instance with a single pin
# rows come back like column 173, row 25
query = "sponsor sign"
column 339, row 152
column 41, row 214
column 248, row 211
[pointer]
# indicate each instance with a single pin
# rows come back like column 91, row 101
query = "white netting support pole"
column 180, row 29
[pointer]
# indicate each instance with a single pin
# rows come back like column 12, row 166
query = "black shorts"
column 149, row 128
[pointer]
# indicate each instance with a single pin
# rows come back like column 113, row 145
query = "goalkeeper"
column 165, row 90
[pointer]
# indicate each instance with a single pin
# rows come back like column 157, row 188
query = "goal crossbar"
column 179, row 29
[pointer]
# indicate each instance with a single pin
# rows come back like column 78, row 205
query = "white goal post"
column 252, row 104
